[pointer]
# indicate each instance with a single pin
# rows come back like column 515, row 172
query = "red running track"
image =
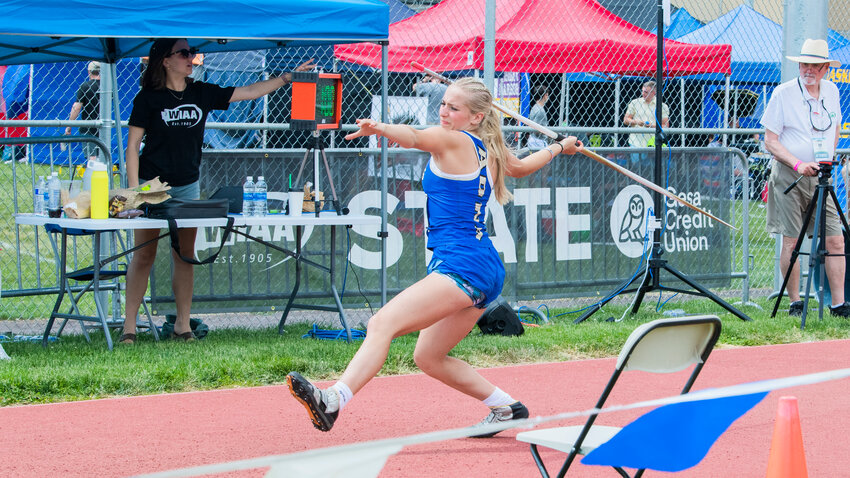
column 127, row 436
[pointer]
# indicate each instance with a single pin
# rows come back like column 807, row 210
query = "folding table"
column 99, row 226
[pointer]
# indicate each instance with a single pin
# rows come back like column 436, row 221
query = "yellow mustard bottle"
column 99, row 191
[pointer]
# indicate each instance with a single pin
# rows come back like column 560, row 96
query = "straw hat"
column 814, row 51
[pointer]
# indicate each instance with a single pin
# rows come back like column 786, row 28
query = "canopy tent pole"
column 726, row 110
column 107, row 74
column 617, row 119
column 563, row 117
column 489, row 43
column 384, row 159
column 682, row 107
column 119, row 136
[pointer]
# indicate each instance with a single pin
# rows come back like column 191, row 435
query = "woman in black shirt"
column 169, row 114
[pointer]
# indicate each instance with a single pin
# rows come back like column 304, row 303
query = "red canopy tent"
column 534, row 36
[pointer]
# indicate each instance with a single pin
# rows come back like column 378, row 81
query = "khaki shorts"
column 785, row 212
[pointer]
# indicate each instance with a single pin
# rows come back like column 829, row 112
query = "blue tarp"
column 681, row 23
column 16, row 87
column 52, row 96
column 756, row 43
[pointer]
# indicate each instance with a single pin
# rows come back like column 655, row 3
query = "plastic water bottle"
column 54, row 203
column 38, row 206
column 261, row 204
column 248, row 197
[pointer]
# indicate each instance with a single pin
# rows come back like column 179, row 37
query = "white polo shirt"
column 643, row 112
column 788, row 115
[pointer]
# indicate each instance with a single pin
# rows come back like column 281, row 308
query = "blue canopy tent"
column 756, row 59
column 80, row 30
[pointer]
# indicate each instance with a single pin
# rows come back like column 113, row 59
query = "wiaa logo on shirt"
column 186, row 116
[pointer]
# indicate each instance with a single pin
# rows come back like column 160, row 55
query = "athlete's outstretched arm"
column 517, row 168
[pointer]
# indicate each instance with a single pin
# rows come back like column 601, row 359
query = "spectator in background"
column 802, row 121
column 87, row 107
column 432, row 88
column 641, row 114
column 540, row 95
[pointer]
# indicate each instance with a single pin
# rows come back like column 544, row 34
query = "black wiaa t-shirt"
column 174, row 129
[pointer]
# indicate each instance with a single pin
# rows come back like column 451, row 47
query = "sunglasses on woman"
column 184, row 52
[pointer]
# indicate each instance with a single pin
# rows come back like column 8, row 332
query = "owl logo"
column 628, row 219
column 631, row 227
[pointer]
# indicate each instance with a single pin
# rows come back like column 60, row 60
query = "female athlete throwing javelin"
column 469, row 160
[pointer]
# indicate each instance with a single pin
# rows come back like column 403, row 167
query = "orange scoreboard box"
column 316, row 101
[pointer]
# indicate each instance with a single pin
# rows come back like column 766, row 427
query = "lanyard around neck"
column 809, row 104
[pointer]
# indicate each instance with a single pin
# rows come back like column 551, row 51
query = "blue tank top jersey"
column 456, row 208
column 457, row 203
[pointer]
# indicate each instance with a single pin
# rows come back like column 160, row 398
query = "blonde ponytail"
column 490, row 132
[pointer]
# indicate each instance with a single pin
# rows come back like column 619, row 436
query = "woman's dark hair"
column 154, row 75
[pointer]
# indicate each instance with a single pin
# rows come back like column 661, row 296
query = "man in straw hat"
column 802, row 121
column 87, row 106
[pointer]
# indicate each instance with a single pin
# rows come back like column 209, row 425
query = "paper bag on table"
column 309, row 205
column 78, row 207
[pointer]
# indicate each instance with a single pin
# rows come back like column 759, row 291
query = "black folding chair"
column 75, row 284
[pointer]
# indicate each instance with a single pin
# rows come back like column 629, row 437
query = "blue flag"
column 674, row 437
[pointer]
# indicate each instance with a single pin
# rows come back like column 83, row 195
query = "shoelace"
column 496, row 415
column 326, row 398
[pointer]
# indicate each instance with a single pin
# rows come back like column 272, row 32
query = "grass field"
column 72, row 369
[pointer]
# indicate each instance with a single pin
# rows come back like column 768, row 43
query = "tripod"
column 818, row 252
column 651, row 272
column 316, row 146
column 652, row 281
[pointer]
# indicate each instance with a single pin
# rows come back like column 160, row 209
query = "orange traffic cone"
column 787, row 458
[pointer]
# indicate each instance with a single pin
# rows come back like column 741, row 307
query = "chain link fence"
column 558, row 239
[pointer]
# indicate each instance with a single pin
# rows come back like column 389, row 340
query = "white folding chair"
column 660, row 346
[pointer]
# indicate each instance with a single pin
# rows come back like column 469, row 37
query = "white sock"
column 498, row 399
column 836, row 305
column 344, row 393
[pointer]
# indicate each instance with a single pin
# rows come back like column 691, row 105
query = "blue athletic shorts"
column 478, row 271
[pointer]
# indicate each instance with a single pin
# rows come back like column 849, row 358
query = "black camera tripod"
column 818, row 251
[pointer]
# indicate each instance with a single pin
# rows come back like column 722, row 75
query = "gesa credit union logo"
column 628, row 220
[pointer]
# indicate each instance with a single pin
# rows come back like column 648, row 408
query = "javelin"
column 596, row 157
